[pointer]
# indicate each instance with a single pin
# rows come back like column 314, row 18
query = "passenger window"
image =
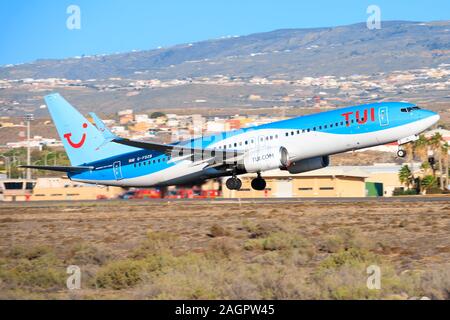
column 287, row 134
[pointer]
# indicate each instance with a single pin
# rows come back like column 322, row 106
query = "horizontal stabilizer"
column 60, row 168
column 107, row 134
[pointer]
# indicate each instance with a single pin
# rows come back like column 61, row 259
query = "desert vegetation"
column 199, row 250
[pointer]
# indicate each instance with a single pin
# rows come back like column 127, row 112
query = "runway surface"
column 262, row 201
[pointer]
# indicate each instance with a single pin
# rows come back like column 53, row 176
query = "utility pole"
column 28, row 118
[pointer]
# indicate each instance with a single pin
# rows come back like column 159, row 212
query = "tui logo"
column 76, row 145
column 359, row 119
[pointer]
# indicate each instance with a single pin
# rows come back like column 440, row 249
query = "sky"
column 37, row 29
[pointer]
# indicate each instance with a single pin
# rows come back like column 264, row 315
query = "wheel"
column 234, row 183
column 259, row 184
column 401, row 153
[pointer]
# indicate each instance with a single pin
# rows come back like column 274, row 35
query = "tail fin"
column 80, row 138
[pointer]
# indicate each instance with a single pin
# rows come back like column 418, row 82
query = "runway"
column 261, row 201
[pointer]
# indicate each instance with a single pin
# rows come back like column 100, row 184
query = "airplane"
column 297, row 145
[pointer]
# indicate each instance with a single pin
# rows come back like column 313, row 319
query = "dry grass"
column 200, row 250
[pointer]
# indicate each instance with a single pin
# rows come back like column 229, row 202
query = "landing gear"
column 234, row 183
column 401, row 153
column 259, row 183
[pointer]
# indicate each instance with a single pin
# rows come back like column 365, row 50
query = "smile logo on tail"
column 79, row 144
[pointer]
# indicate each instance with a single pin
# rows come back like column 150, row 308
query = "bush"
column 345, row 239
column 435, row 284
column 277, row 241
column 218, row 231
column 402, row 192
column 35, row 267
column 156, row 242
column 85, row 254
column 121, row 274
column 351, row 257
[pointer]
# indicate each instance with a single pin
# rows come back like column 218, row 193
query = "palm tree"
column 435, row 143
column 427, row 182
column 421, row 148
column 405, row 176
column 445, row 163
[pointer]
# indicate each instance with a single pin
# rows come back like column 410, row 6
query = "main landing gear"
column 259, row 183
column 234, row 183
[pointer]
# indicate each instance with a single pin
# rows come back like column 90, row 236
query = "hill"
column 290, row 53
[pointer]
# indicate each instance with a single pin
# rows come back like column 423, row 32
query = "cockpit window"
column 409, row 109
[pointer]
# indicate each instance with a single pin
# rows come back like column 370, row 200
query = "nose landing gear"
column 401, row 153
column 259, row 183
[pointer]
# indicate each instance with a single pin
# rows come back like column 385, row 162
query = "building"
column 57, row 189
column 16, row 189
column 54, row 189
column 343, row 181
column 326, row 182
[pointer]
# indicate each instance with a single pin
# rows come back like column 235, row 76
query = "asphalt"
column 405, row 199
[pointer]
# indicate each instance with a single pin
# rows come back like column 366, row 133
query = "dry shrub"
column 155, row 242
column 280, row 240
column 435, row 283
column 262, row 229
column 345, row 239
column 120, row 274
column 343, row 275
column 223, row 248
column 32, row 268
column 87, row 254
column 218, row 231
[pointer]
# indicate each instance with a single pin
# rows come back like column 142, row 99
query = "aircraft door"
column 117, row 170
column 383, row 116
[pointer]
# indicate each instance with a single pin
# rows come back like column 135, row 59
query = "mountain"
column 289, row 53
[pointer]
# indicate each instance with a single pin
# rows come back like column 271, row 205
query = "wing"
column 61, row 168
column 179, row 150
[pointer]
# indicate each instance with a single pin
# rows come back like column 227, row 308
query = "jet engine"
column 265, row 159
column 308, row 164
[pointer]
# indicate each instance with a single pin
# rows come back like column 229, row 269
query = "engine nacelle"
column 309, row 164
column 266, row 159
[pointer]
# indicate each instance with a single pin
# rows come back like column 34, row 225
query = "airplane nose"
column 431, row 116
column 435, row 117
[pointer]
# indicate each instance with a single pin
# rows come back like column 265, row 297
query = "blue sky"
column 34, row 29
